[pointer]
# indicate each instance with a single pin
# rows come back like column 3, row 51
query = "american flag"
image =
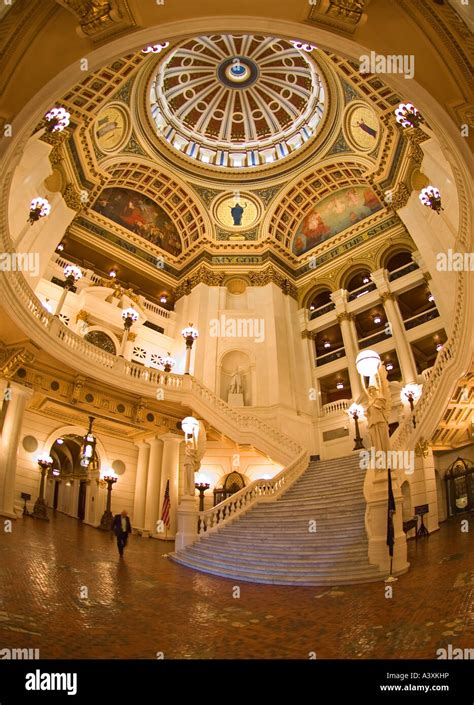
column 165, row 512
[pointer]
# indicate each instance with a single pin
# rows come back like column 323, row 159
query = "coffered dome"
column 237, row 101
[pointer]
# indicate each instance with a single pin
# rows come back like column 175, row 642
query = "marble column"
column 170, row 471
column 349, row 338
column 9, row 446
column 394, row 318
column 138, row 518
column 351, row 347
column 152, row 500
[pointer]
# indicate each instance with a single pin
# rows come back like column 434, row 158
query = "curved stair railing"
column 47, row 330
column 244, row 499
column 439, row 385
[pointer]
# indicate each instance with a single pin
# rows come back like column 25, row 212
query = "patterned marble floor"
column 64, row 590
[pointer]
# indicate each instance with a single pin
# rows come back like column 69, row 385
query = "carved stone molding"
column 100, row 19
column 77, row 388
column 203, row 275
column 271, row 275
column 400, row 196
column 309, row 334
column 388, row 296
column 72, row 198
column 422, row 448
column 345, row 316
column 82, row 316
column 12, row 359
column 344, row 15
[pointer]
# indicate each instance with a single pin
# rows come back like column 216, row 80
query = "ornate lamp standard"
column 189, row 334
column 431, row 198
column 201, row 488
column 411, row 393
column 356, row 412
column 72, row 274
column 39, row 208
column 40, row 510
column 88, row 446
column 168, row 362
column 107, row 518
column 129, row 316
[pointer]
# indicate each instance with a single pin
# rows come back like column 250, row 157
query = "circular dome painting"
column 237, row 101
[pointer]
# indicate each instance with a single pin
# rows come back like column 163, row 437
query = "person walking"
column 122, row 528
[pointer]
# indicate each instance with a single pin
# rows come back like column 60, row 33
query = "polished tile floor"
column 64, row 590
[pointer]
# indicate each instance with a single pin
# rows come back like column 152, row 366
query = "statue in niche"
column 236, row 382
column 378, row 410
column 237, row 212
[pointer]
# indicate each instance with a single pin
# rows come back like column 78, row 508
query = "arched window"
column 399, row 264
column 359, row 284
column 320, row 304
column 101, row 340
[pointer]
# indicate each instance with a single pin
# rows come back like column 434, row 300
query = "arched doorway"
column 68, row 477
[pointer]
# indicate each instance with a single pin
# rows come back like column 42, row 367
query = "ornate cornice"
column 271, row 275
column 12, row 359
column 400, row 196
column 72, row 198
column 203, row 275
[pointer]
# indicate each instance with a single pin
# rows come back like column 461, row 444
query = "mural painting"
column 333, row 214
column 140, row 215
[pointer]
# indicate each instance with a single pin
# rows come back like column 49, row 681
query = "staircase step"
column 270, row 542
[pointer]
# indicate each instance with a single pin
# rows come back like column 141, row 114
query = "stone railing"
column 257, row 491
column 90, row 277
column 241, row 421
column 334, row 407
column 406, row 435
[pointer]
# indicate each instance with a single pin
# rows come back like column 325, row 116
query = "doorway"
column 56, row 494
column 81, row 503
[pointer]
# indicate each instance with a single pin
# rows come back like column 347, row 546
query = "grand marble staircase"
column 273, row 541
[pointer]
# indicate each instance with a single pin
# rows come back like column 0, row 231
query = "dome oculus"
column 237, row 101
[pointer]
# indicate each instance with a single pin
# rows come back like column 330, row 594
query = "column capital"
column 21, row 389
column 339, row 298
column 345, row 316
column 388, row 296
column 152, row 440
column 142, row 444
column 308, row 334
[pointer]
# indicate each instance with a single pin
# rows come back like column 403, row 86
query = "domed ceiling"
column 237, row 101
